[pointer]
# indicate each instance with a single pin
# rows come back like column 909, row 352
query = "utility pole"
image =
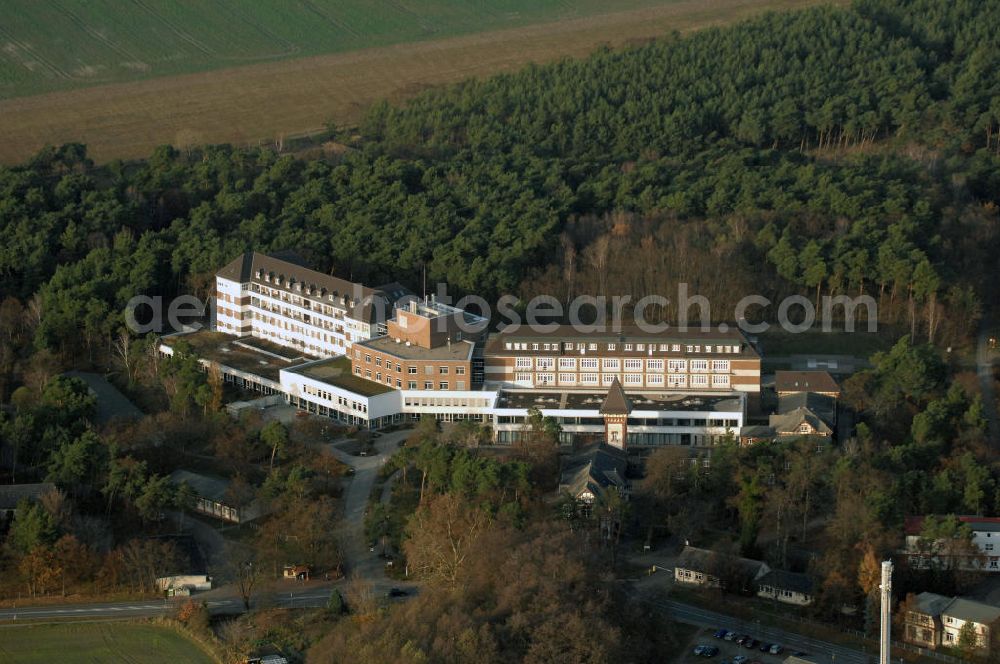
column 886, row 608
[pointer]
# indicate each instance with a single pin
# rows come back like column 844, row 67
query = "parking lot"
column 732, row 653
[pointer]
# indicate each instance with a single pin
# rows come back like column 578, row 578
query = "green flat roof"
column 337, row 371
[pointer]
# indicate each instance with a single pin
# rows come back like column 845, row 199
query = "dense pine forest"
column 825, row 151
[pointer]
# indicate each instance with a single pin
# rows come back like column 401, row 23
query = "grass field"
column 270, row 84
column 66, row 43
column 86, row 643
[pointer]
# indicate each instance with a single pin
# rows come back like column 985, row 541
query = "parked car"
column 740, row 659
column 720, row 633
column 730, row 636
column 765, row 647
column 751, row 643
column 776, row 649
column 741, row 639
column 706, row 651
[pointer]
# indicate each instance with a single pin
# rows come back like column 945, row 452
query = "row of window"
column 410, row 385
column 443, row 370
column 628, row 347
column 452, row 402
column 617, row 364
column 629, row 379
column 344, row 402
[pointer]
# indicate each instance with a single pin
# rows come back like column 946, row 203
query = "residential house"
column 804, row 414
column 12, row 494
column 983, row 621
column 711, row 569
column 922, row 619
column 787, row 587
column 983, row 554
column 601, row 470
column 817, row 382
column 213, row 497
column 933, row 620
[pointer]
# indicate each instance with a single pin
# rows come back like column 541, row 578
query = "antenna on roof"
column 425, row 281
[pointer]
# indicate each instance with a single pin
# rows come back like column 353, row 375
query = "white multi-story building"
column 290, row 305
column 983, row 555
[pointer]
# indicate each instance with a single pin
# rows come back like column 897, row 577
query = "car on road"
column 720, row 633
column 396, row 592
column 775, row 649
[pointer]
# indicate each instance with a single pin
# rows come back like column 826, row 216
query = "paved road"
column 819, row 651
column 312, row 596
column 984, row 369
column 358, row 560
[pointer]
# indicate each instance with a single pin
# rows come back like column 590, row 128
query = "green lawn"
column 67, row 44
column 85, row 643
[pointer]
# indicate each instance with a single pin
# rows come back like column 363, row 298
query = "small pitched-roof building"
column 818, row 382
column 604, row 470
column 212, row 497
column 711, row 569
column 798, row 422
column 111, row 403
column 12, row 494
column 787, row 587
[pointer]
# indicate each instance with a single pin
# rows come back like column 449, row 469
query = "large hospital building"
column 372, row 357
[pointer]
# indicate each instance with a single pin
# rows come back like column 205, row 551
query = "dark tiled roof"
column 709, row 562
column 251, row 265
column 757, row 431
column 616, row 403
column 111, row 403
column 606, row 468
column 792, row 581
column 12, row 494
column 931, row 604
column 822, row 406
column 804, row 381
column 206, row 486
column 788, row 423
column 970, row 611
